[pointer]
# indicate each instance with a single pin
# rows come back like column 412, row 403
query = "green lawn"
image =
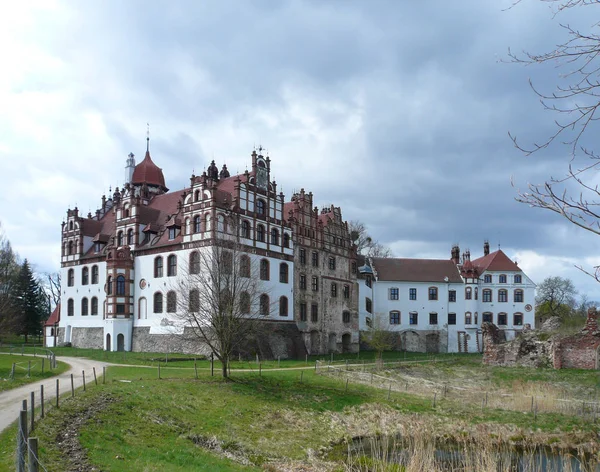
column 143, row 423
column 22, row 369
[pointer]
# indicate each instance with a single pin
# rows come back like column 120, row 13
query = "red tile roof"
column 54, row 317
column 147, row 172
column 496, row 261
column 416, row 270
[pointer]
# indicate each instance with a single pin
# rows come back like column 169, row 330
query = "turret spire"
column 147, row 138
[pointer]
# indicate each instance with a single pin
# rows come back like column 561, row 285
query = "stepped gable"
column 147, row 172
column 497, row 261
column 416, row 270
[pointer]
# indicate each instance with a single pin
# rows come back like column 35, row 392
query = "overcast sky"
column 396, row 111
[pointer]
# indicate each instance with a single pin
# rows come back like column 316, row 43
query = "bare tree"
column 365, row 244
column 52, row 286
column 9, row 271
column 576, row 100
column 220, row 297
column 379, row 338
column 556, row 297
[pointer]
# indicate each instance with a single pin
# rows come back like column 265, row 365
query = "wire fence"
column 544, row 398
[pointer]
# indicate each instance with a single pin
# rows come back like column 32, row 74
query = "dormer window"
column 98, row 247
column 172, row 232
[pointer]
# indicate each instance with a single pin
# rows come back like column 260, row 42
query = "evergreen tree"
column 9, row 271
column 31, row 302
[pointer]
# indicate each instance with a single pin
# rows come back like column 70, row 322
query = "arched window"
column 71, row 278
column 468, row 319
column 197, row 223
column 158, row 267
column 264, row 269
column 197, row 196
column 126, row 213
column 120, row 238
column 244, row 266
column 260, row 207
column 275, row 237
column 245, row 302
column 475, row 318
column 333, row 289
column 120, row 285
column 502, row 295
column 70, row 247
column 283, row 306
column 518, row 296
column 109, row 283
column 286, row 240
column 487, row 295
column 260, row 233
column 394, row 317
column 194, row 262
column 94, row 306
column 158, row 302
column 70, row 307
column 283, row 273
column 71, row 225
column 518, row 279
column 84, row 306
column 94, row 274
column 171, row 302
column 85, row 276
column 433, row 293
column 264, row 304
column 130, row 237
column 194, row 301
column 488, row 317
column 245, row 229
column 518, row 319
column 476, row 292
column 172, row 265
column 468, row 293
column 502, row 319
column 502, row 278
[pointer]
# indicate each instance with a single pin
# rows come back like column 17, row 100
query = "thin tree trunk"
column 224, row 367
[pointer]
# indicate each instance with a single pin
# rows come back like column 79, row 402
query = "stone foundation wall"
column 91, row 338
column 416, row 341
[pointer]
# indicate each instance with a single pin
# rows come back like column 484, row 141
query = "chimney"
column 455, row 254
column 486, row 248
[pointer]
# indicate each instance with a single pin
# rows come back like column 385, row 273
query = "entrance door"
column 346, row 340
column 120, row 343
column 108, row 345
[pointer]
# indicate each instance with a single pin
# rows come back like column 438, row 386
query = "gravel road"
column 11, row 400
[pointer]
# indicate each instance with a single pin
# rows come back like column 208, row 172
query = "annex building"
column 121, row 268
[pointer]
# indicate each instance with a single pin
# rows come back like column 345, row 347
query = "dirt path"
column 11, row 400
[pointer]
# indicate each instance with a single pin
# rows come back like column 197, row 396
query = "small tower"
column 486, row 248
column 129, row 167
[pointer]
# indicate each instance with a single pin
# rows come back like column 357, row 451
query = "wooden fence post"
column 57, row 393
column 42, row 399
column 21, row 441
column 346, row 391
column 195, row 369
column 95, row 379
column 33, row 454
column 12, row 372
column 389, row 391
column 212, row 363
column 72, row 387
column 28, row 368
column 32, row 410
column 83, row 377
column 103, row 374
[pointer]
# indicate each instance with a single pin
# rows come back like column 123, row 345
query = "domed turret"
column 147, row 172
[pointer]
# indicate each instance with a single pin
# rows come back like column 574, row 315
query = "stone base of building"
column 417, row 341
column 271, row 341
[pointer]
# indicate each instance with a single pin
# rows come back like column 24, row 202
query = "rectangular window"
column 346, row 291
column 315, row 259
column 369, row 305
column 413, row 318
column 502, row 278
column 503, row 296
column 452, row 295
column 314, row 313
column 368, row 281
column 302, row 282
column 518, row 319
column 332, row 263
column 303, row 312
column 333, row 289
column 433, row 293
column 487, row 279
column 394, row 294
column 488, row 317
column 412, row 293
column 433, row 318
column 346, row 317
column 394, row 317
column 487, row 296
column 517, row 279
column 518, row 296
column 120, row 308
column 315, row 283
column 302, row 256
column 451, row 318
column 502, row 319
column 172, row 233
column 353, row 267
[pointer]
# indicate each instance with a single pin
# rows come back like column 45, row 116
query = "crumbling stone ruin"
column 534, row 348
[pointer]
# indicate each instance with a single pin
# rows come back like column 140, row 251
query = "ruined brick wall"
column 579, row 351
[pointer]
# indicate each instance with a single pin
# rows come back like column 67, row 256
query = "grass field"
column 138, row 422
column 22, row 370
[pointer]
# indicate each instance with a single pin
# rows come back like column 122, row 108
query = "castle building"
column 438, row 305
column 123, row 264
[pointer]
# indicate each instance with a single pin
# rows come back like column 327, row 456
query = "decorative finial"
column 147, row 137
